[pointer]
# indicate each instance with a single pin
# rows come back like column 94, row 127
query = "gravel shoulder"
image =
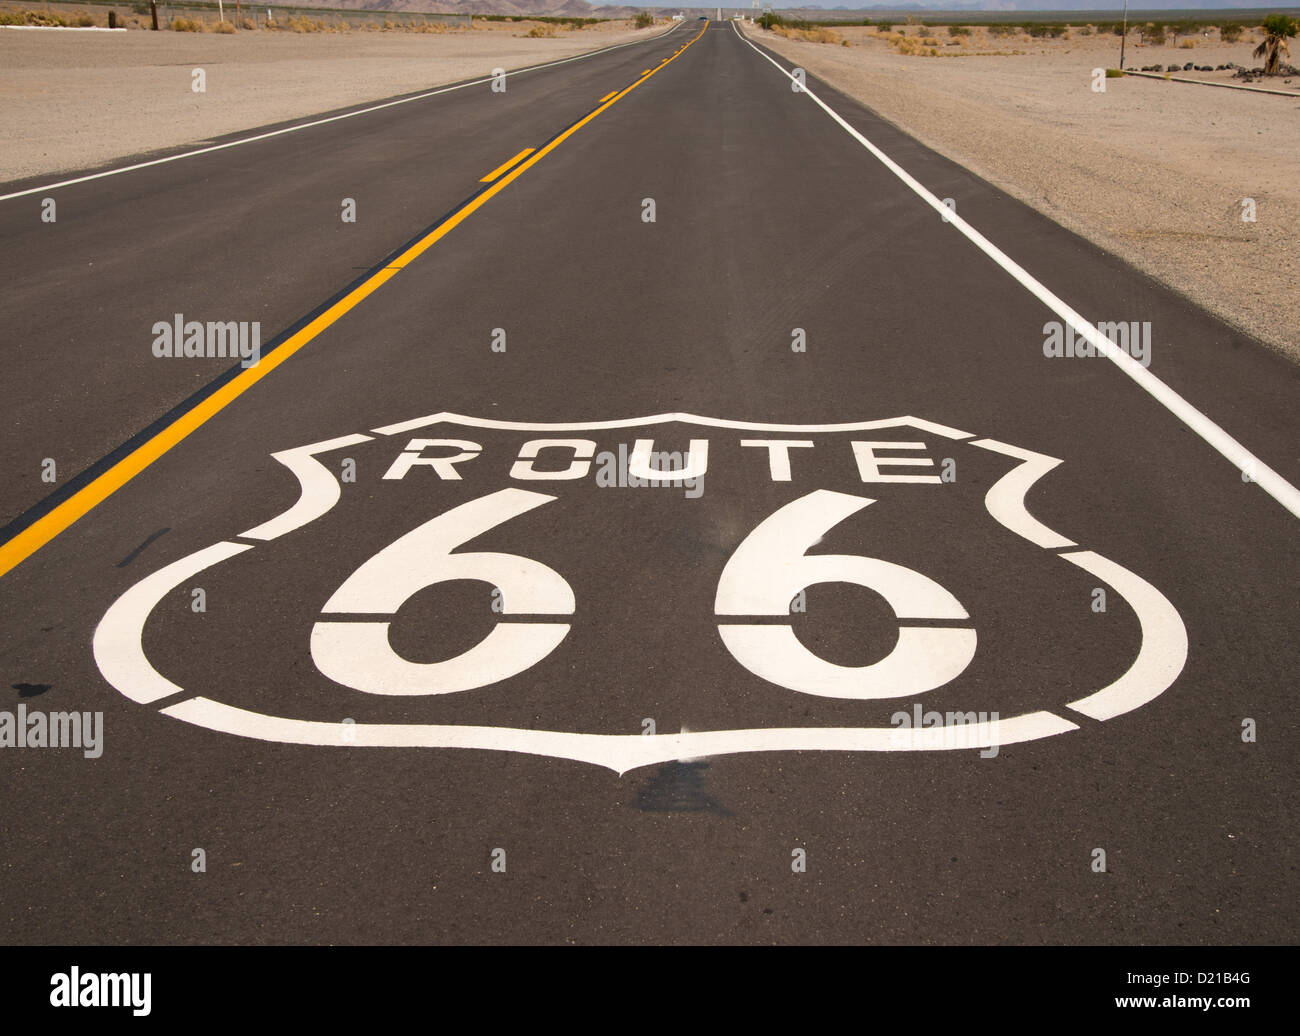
column 76, row 100
column 1155, row 172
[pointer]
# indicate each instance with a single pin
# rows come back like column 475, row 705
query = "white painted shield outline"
column 119, row 650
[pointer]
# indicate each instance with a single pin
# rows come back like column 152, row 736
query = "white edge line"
column 321, row 122
column 1241, row 458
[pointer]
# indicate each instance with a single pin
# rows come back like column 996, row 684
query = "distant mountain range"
column 584, row 9
column 566, row 8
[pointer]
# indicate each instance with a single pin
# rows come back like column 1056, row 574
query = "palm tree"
column 1277, row 28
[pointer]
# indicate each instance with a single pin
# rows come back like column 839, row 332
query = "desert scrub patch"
column 808, row 35
column 186, row 25
column 33, row 18
column 916, row 47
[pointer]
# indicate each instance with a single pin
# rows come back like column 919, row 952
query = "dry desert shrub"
column 186, row 25
column 822, row 36
column 32, row 18
column 810, row 35
column 916, row 47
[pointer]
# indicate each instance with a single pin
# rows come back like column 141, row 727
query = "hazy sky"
column 987, row 5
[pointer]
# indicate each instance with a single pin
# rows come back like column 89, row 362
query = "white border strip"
column 1162, row 654
column 61, row 28
column 322, row 122
column 680, row 418
column 617, row 752
column 1207, row 82
column 1241, row 458
column 118, row 643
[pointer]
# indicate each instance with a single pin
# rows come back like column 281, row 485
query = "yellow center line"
column 506, row 165
column 49, row 525
column 607, row 97
column 458, row 217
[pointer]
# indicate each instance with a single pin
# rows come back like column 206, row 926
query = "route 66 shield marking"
column 745, row 521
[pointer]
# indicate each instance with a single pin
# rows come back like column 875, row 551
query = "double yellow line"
column 505, row 166
column 49, row 525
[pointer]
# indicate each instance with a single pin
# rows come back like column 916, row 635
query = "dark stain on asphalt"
column 140, row 549
column 678, row 788
column 31, row 690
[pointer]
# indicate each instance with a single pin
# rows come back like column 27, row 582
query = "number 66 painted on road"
column 769, row 568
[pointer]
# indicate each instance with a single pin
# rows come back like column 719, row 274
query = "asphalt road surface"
column 392, row 642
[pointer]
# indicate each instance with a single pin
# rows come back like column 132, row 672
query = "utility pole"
column 1124, row 37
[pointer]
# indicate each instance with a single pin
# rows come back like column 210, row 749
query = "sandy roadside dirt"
column 73, row 100
column 1153, row 171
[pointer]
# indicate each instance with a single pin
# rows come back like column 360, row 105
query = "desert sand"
column 74, row 100
column 1153, row 171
